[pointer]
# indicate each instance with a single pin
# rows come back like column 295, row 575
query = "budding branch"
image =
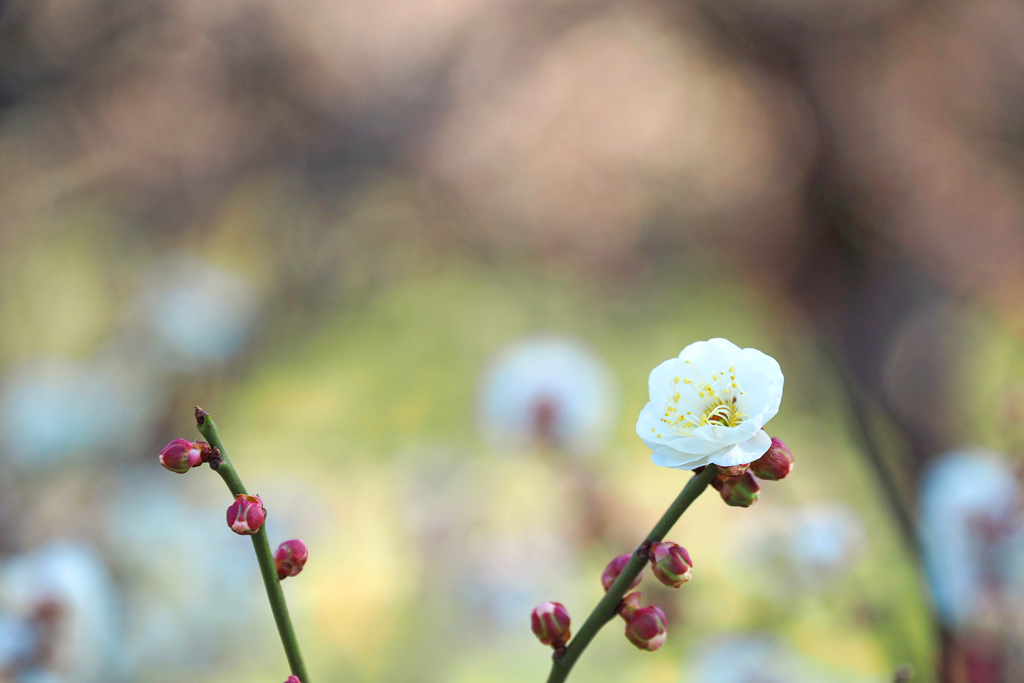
column 609, row 604
column 261, row 545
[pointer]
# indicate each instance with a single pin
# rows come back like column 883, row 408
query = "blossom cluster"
column 707, row 408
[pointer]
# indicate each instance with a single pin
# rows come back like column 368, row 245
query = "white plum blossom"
column 709, row 405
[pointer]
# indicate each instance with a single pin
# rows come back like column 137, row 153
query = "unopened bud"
column 181, row 455
column 290, row 558
column 630, row 605
column 292, row 679
column 716, row 481
column 614, row 568
column 246, row 514
column 647, row 629
column 550, row 623
column 775, row 464
column 734, row 471
column 741, row 492
column 671, row 564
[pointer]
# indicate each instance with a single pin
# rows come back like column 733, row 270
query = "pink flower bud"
column 290, row 558
column 671, row 564
column 775, row 464
column 647, row 628
column 716, row 483
column 181, row 455
column 246, row 514
column 741, row 492
column 630, row 605
column 734, row 471
column 550, row 623
column 292, row 679
column 614, row 568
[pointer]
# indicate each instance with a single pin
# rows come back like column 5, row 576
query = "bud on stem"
column 246, row 515
column 181, row 455
column 550, row 623
column 614, row 568
column 775, row 464
column 647, row 629
column 741, row 491
column 290, row 558
column 671, row 563
column 734, row 471
column 630, row 605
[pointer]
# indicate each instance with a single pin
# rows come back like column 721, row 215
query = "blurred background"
column 418, row 258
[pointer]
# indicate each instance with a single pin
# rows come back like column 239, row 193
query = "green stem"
column 261, row 545
column 608, row 607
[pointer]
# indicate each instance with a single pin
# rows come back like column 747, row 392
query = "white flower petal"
column 728, row 435
column 659, row 385
column 667, row 457
column 727, row 345
column 758, row 390
column 694, row 464
column 691, row 445
column 686, row 445
column 706, row 355
column 756, row 360
column 650, row 417
column 743, row 452
column 648, row 420
column 762, row 382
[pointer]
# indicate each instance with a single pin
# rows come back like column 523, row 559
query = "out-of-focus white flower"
column 69, row 580
column 57, row 408
column 743, row 658
column 200, row 313
column 758, row 658
column 825, row 539
column 503, row 574
column 168, row 565
column 789, row 550
column 968, row 504
column 549, row 388
column 19, row 641
column 709, row 405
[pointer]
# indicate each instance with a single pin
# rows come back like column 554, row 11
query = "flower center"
column 722, row 414
column 695, row 402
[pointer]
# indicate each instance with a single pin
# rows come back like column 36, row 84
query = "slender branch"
column 889, row 477
column 609, row 604
column 261, row 545
column 889, row 480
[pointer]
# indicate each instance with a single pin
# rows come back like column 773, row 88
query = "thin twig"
column 608, row 606
column 261, row 545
